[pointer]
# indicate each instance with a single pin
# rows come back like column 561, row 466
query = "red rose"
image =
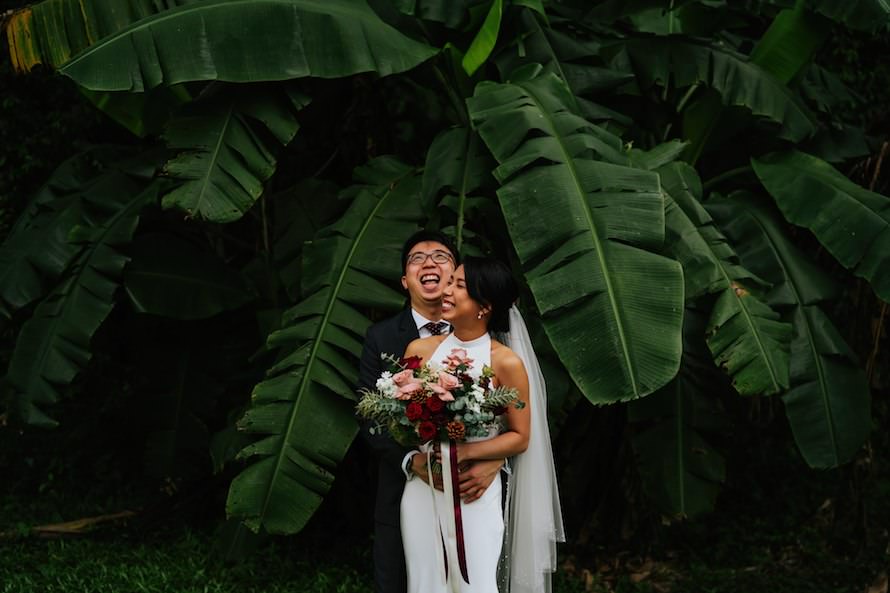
column 425, row 413
column 426, row 430
column 413, row 411
column 412, row 362
column 435, row 404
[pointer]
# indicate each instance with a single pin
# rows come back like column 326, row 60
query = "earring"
column 479, row 316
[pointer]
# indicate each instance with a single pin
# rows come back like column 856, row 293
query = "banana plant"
column 585, row 226
column 744, row 334
column 828, row 402
column 54, row 344
column 303, row 410
column 570, row 137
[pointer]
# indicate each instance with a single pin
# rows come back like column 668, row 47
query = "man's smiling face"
column 425, row 278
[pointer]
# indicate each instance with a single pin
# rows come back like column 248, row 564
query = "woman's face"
column 457, row 304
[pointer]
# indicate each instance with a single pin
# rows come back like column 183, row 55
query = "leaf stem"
column 459, row 106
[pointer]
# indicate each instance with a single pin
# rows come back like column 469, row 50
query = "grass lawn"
column 182, row 560
column 776, row 531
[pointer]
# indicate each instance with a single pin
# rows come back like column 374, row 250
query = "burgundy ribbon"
column 458, row 524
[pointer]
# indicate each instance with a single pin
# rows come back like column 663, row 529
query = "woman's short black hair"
column 425, row 235
column 490, row 282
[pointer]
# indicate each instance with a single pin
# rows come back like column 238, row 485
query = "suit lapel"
column 407, row 327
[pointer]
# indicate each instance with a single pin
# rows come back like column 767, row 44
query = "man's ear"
column 405, row 282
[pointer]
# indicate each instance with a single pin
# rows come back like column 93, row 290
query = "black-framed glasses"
column 418, row 258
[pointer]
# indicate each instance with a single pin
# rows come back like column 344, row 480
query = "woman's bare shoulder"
column 503, row 358
column 424, row 347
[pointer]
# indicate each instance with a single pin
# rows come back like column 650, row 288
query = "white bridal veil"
column 533, row 516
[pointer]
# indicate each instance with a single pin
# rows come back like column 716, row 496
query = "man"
column 428, row 260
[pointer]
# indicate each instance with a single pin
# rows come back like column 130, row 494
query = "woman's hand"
column 476, row 477
column 464, row 453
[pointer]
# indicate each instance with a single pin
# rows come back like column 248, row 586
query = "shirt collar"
column 420, row 320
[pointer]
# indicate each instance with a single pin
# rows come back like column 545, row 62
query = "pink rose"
column 447, row 380
column 440, row 391
column 407, row 389
column 457, row 357
column 402, row 377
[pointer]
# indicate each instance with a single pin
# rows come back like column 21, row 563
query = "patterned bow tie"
column 436, row 328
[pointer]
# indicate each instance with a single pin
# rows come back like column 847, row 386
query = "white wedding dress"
column 425, row 534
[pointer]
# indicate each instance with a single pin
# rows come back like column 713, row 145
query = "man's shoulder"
column 392, row 323
column 391, row 326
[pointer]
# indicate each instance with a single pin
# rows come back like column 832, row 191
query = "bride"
column 479, row 301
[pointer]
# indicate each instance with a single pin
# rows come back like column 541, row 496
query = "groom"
column 428, row 260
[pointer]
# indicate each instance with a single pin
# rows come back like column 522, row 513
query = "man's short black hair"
column 425, row 235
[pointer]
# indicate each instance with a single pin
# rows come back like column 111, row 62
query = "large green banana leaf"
column 231, row 40
column 790, row 42
column 852, row 223
column 681, row 470
column 28, row 274
column 70, row 26
column 745, row 335
column 828, row 404
column 458, row 166
column 569, row 58
column 737, row 81
column 585, row 226
column 54, row 345
column 53, row 31
column 483, row 43
column 228, row 147
column 303, row 410
column 170, row 277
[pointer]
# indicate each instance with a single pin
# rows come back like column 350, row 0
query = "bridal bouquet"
column 418, row 402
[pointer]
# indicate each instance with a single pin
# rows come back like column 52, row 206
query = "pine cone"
column 455, row 430
column 419, row 396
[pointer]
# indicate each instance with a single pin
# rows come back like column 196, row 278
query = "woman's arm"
column 510, row 372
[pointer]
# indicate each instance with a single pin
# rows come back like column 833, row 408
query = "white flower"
column 478, row 393
column 385, row 384
column 474, row 407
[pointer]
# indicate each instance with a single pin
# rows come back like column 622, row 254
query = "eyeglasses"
column 439, row 257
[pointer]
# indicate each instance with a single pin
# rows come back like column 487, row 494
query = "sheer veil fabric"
column 533, row 518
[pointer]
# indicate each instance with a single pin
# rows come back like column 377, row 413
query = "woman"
column 478, row 301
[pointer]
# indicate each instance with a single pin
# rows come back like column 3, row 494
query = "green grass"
column 183, row 563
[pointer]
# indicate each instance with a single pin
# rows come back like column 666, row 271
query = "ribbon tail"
column 458, row 523
column 443, row 566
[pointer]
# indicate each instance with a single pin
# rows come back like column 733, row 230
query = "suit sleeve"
column 387, row 451
column 370, row 365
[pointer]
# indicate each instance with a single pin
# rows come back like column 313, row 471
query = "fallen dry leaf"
column 880, row 584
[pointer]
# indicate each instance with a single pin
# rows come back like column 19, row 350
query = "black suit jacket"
column 389, row 336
